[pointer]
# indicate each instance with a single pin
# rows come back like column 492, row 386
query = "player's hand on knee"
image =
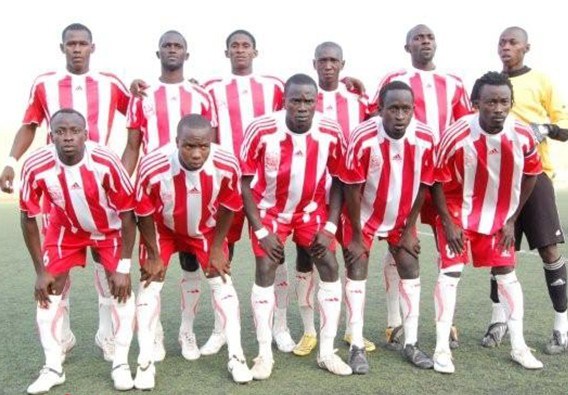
column 506, row 236
column 120, row 286
column 320, row 244
column 43, row 288
column 218, row 263
column 273, row 247
column 355, row 251
column 154, row 270
column 409, row 243
column 7, row 180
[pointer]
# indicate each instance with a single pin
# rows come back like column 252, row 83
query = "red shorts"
column 169, row 243
column 428, row 212
column 63, row 250
column 236, row 229
column 303, row 233
column 484, row 250
column 392, row 237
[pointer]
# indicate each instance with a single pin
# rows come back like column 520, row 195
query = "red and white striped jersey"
column 482, row 172
column 240, row 99
column 158, row 113
column 391, row 171
column 86, row 197
column 186, row 202
column 290, row 169
column 347, row 108
column 96, row 95
column 439, row 98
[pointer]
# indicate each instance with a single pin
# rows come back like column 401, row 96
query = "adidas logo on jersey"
column 397, row 157
column 299, row 153
column 75, row 186
column 193, row 191
column 493, row 151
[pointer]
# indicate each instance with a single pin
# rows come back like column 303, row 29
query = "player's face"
column 241, row 52
column 397, row 112
column 194, row 146
column 173, row 52
column 300, row 104
column 328, row 64
column 69, row 134
column 77, row 47
column 422, row 45
column 512, row 48
column 494, row 105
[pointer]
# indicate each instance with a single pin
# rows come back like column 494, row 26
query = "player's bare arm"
column 218, row 263
column 454, row 234
column 408, row 241
column 119, row 281
column 132, row 150
column 24, row 138
column 356, row 248
column 269, row 241
column 153, row 268
column 322, row 240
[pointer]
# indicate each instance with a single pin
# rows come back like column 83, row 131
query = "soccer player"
column 239, row 98
column 538, row 103
column 348, row 109
column 152, row 121
column 440, row 98
column 97, row 95
column 488, row 164
column 185, row 199
column 91, row 206
column 388, row 167
column 286, row 159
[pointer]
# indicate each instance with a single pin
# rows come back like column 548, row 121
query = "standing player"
column 286, row 159
column 488, row 164
column 389, row 165
column 440, row 99
column 91, row 202
column 152, row 122
column 185, row 199
column 97, row 95
column 348, row 109
column 538, row 103
column 239, row 98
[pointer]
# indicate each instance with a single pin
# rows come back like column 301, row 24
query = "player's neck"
column 429, row 66
column 328, row 86
column 71, row 160
column 172, row 76
column 77, row 72
column 515, row 69
column 242, row 72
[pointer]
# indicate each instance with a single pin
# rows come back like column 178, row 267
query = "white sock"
column 227, row 306
column 281, row 287
column 445, row 304
column 65, row 306
column 190, row 292
column 561, row 322
column 329, row 301
column 391, row 283
column 498, row 313
column 147, row 316
column 305, row 292
column 105, row 302
column 511, row 297
column 410, row 304
column 355, row 309
column 262, row 300
column 123, row 316
column 49, row 322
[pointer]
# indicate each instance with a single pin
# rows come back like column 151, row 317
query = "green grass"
column 478, row 370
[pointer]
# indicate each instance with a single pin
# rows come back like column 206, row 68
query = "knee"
column 549, row 254
column 358, row 270
column 265, row 273
column 408, row 270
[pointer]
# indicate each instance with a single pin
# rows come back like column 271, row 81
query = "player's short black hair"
column 493, row 78
column 76, row 26
column 393, row 86
column 67, row 111
column 172, row 32
column 241, row 31
column 193, row 121
column 299, row 79
column 328, row 44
